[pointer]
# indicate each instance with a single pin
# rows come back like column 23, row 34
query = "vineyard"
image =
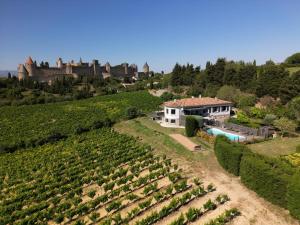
column 30, row 125
column 102, row 177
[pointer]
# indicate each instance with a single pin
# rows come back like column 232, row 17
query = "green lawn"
column 276, row 147
column 293, row 69
column 158, row 137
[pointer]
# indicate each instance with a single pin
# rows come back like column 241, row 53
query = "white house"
column 210, row 108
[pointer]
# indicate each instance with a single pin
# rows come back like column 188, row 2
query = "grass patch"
column 158, row 139
column 276, row 147
column 293, row 69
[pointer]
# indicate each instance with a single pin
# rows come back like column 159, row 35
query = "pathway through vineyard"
column 254, row 209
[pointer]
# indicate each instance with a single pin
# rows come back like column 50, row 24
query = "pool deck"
column 247, row 137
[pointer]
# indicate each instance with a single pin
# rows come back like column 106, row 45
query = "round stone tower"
column 59, row 63
column 146, row 68
column 22, row 73
column 30, row 67
column 107, row 67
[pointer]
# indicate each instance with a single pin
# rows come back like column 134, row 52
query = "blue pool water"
column 232, row 137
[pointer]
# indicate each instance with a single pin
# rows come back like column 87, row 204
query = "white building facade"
column 210, row 108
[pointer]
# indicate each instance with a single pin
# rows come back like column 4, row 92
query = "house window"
column 215, row 109
column 172, row 121
column 224, row 108
column 172, row 111
column 167, row 120
column 167, row 111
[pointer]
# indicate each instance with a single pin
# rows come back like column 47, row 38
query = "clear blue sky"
column 161, row 32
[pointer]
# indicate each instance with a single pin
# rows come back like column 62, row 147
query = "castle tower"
column 125, row 65
column 30, row 67
column 22, row 73
column 96, row 68
column 59, row 63
column 69, row 68
column 146, row 68
column 107, row 67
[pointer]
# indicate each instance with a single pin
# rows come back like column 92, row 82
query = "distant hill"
column 3, row 73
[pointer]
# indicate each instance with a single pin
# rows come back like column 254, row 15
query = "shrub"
column 191, row 125
column 228, row 154
column 132, row 112
column 293, row 196
column 92, row 193
column 267, row 177
column 269, row 119
column 298, row 148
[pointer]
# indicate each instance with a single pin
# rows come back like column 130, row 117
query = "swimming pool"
column 232, row 137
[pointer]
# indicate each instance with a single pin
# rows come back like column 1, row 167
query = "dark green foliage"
column 31, row 125
column 132, row 112
column 293, row 59
column 228, row 154
column 267, row 177
column 270, row 79
column 293, row 196
column 191, row 126
column 290, row 87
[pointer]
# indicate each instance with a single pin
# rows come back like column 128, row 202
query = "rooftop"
column 194, row 102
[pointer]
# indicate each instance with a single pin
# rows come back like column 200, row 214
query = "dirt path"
column 254, row 209
column 184, row 141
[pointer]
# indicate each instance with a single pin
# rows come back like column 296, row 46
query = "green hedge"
column 191, row 126
column 293, row 196
column 229, row 154
column 268, row 177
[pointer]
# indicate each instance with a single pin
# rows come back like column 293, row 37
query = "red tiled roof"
column 29, row 61
column 194, row 102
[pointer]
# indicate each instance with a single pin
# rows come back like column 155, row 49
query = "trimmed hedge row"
column 191, row 126
column 271, row 178
column 229, row 154
column 293, row 196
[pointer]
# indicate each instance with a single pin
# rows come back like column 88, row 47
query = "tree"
column 215, row 73
column 270, row 79
column 246, row 77
column 132, row 112
column 269, row 119
column 228, row 93
column 293, row 59
column 176, row 75
column 230, row 75
column 191, row 126
column 285, row 125
column 294, row 107
column 290, row 87
column 245, row 100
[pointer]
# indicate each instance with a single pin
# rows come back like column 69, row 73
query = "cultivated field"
column 30, row 124
column 254, row 209
column 102, row 177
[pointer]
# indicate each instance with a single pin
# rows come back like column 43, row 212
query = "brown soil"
column 184, row 141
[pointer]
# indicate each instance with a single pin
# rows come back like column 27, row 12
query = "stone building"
column 45, row 73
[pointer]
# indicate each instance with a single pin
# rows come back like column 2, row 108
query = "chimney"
column 200, row 96
column 175, row 100
column 192, row 96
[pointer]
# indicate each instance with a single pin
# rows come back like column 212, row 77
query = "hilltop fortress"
column 45, row 73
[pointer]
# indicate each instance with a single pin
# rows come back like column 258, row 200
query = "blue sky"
column 161, row 32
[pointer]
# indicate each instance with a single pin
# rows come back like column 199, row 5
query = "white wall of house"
column 171, row 115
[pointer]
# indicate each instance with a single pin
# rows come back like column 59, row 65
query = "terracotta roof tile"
column 29, row 61
column 193, row 102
